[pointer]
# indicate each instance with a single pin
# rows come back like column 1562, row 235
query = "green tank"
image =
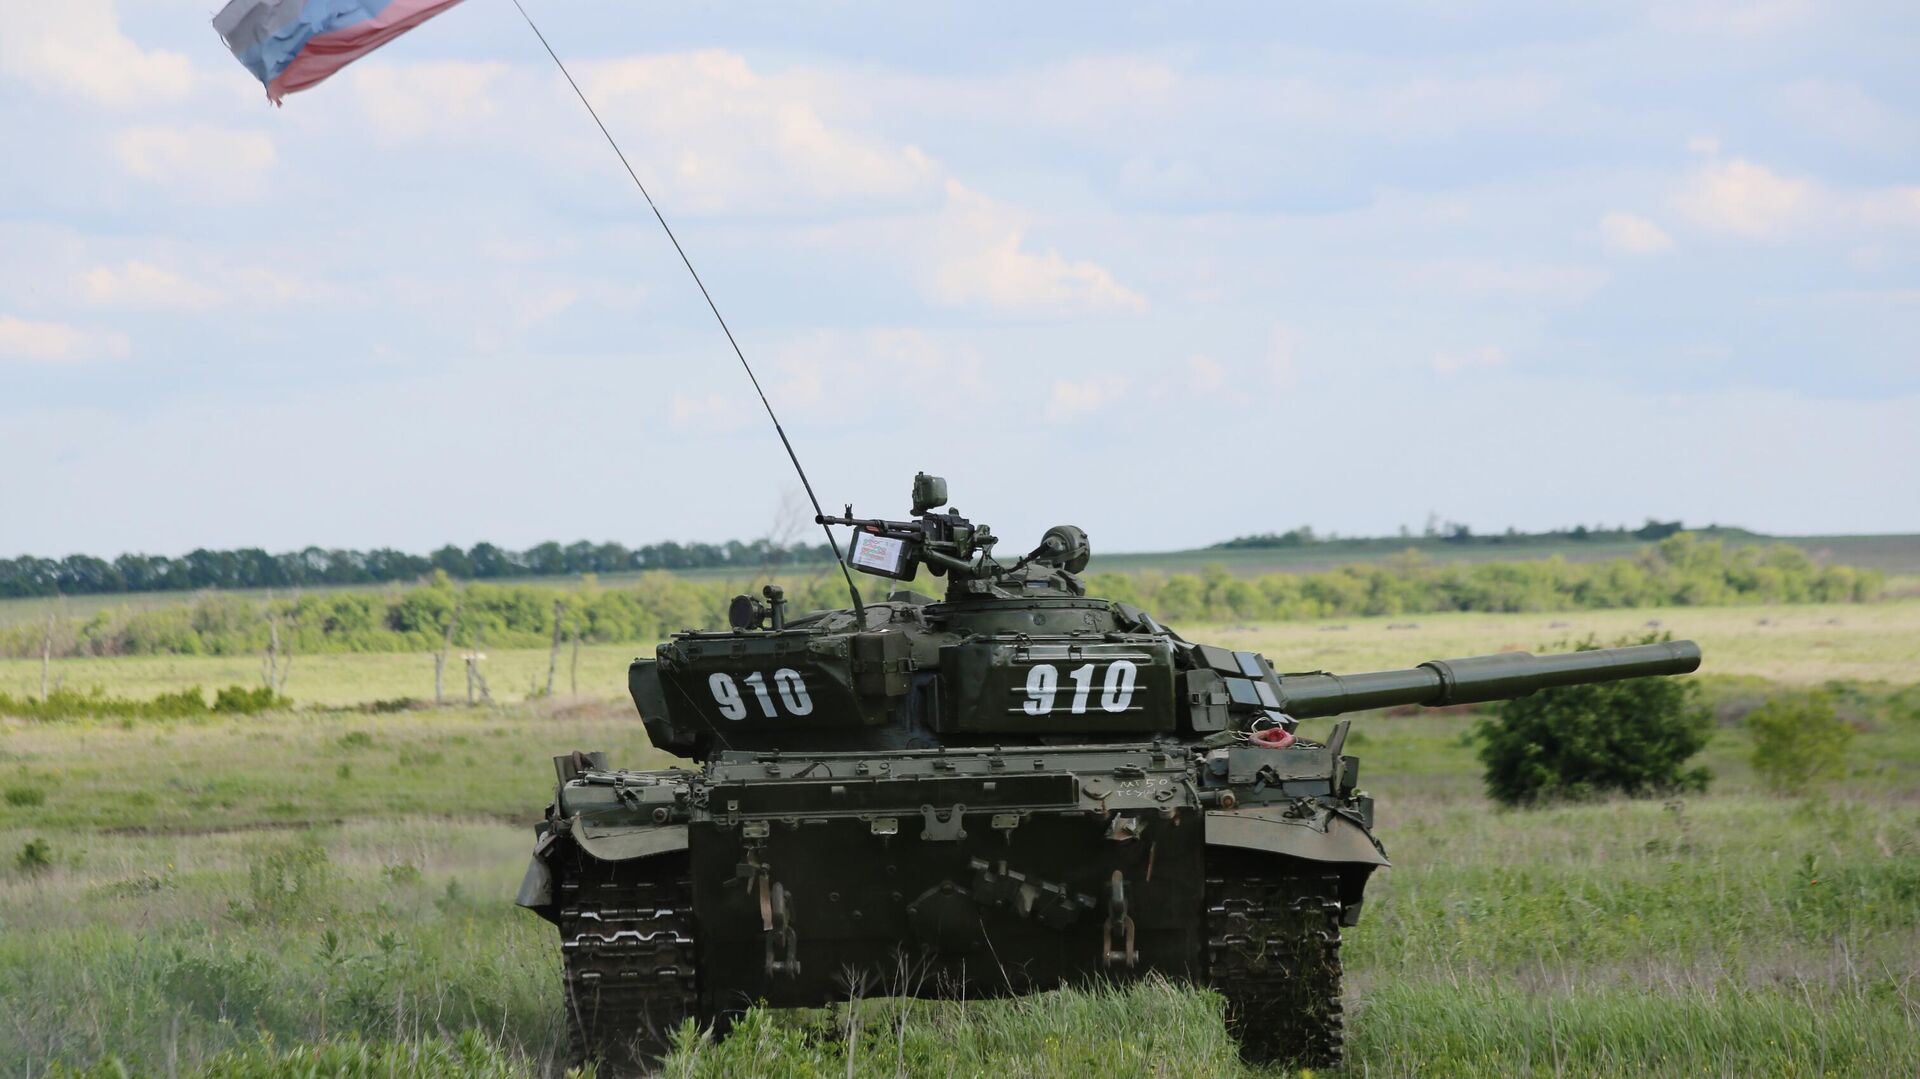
column 1016, row 787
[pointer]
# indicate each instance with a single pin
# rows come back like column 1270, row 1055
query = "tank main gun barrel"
column 1475, row 679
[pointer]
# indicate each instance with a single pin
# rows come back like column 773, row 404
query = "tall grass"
column 322, row 894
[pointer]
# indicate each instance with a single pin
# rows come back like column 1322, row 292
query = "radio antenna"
column 832, row 542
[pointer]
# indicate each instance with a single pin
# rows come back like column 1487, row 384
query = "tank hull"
column 900, row 915
column 801, row 881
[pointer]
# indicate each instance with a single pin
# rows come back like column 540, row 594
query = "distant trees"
column 253, row 568
column 1455, row 532
column 1680, row 570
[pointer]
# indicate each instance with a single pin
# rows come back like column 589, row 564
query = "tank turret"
column 1013, row 787
column 1019, row 653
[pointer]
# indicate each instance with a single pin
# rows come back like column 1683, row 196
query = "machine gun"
column 946, row 542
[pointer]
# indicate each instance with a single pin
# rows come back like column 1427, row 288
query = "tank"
column 1012, row 788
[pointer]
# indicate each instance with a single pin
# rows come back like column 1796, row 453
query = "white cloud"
column 1204, row 373
column 1631, row 234
column 1748, row 199
column 403, row 102
column 1485, row 277
column 709, row 132
column 1706, row 145
column 714, row 413
column 1847, row 113
column 207, row 162
column 1119, row 95
column 56, row 342
column 1744, row 198
column 1898, row 206
column 1071, row 400
column 1741, row 18
column 540, row 306
column 144, row 286
column 980, row 257
column 1452, row 363
column 76, row 47
column 843, row 374
column 734, row 139
column 1280, row 358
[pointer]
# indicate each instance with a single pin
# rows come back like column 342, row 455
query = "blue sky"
column 1172, row 272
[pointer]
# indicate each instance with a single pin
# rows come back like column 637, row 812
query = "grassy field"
column 1801, row 644
column 328, row 892
column 341, row 878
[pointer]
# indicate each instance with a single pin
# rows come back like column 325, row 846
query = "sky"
column 1172, row 272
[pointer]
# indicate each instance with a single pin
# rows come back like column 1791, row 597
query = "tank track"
column 1273, row 951
column 627, row 943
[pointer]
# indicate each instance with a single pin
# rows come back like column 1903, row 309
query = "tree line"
column 1458, row 533
column 253, row 568
column 1681, row 570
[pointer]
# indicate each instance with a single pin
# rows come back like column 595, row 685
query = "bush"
column 1632, row 737
column 1798, row 739
column 180, row 704
column 35, row 857
column 26, row 797
column 239, row 700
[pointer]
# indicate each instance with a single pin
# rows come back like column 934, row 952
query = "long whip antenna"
column 832, row 541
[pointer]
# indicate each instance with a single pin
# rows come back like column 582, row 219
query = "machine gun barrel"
column 1479, row 678
column 898, row 529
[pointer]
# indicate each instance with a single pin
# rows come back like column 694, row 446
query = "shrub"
column 35, row 857
column 1632, row 737
column 1798, row 739
column 239, row 700
column 180, row 704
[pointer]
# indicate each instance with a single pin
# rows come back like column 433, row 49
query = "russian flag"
column 293, row 44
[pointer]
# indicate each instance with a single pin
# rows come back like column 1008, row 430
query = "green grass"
column 340, row 883
column 1799, row 644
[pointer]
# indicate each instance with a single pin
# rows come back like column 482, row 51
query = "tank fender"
column 623, row 844
column 1330, row 838
column 608, row 845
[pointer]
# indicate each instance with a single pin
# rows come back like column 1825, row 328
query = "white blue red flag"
column 293, row 44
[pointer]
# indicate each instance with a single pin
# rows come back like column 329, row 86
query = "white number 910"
column 1116, row 689
column 792, row 689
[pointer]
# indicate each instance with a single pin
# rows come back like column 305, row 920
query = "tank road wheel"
column 1273, row 951
column 627, row 941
